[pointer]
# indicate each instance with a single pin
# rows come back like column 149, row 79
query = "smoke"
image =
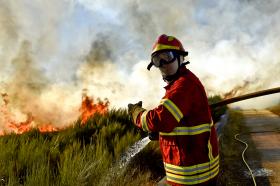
column 30, row 94
column 50, row 51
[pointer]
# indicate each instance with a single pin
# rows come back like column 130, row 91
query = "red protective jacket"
column 188, row 139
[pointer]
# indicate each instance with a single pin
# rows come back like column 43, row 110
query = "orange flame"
column 23, row 126
column 89, row 107
column 47, row 128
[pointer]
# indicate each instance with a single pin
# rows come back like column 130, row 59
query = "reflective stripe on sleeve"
column 189, row 130
column 191, row 170
column 144, row 121
column 172, row 108
column 195, row 179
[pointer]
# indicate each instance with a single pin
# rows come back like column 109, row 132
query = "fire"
column 19, row 127
column 47, row 128
column 89, row 107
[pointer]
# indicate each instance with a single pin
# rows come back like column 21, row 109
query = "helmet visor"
column 162, row 58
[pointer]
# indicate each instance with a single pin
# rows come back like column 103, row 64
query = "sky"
column 50, row 51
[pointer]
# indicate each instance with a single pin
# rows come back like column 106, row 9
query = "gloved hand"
column 134, row 110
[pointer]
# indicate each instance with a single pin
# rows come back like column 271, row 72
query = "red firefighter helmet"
column 165, row 42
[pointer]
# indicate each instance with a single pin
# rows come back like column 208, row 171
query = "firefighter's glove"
column 134, row 110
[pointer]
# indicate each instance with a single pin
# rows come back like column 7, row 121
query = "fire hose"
column 246, row 96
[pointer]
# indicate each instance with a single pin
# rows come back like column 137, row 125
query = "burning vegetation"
column 88, row 108
column 19, row 127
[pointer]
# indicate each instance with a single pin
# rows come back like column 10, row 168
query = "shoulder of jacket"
column 187, row 82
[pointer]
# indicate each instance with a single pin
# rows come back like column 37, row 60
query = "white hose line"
column 235, row 137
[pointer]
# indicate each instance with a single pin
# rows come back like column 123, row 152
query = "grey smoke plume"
column 104, row 46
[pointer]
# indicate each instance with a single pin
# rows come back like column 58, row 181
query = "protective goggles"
column 163, row 58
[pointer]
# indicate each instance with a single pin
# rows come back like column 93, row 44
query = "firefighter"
column 187, row 137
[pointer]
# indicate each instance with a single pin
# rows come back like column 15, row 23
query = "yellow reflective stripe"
column 171, row 107
column 189, row 130
column 191, row 180
column 144, row 121
column 190, row 170
column 210, row 155
column 163, row 47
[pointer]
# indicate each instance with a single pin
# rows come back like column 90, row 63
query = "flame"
column 19, row 127
column 48, row 128
column 89, row 107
